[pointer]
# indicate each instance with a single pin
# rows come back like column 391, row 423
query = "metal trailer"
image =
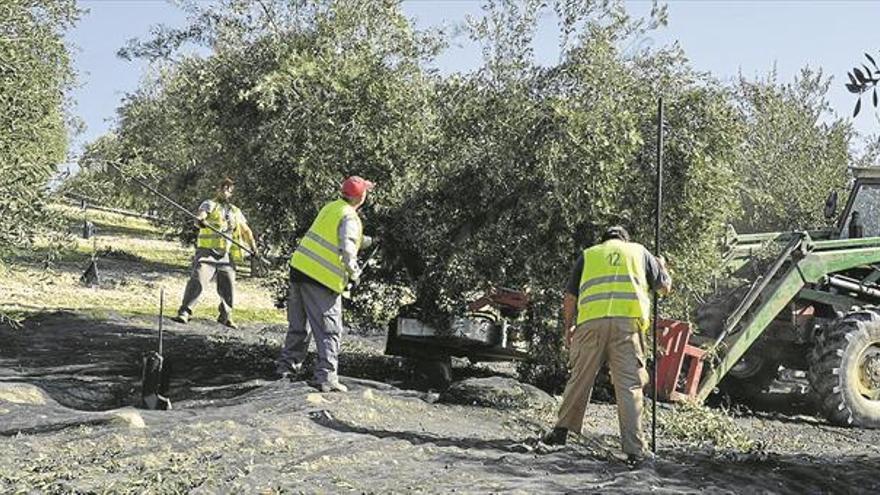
column 488, row 331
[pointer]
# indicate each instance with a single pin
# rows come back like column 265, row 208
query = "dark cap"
column 615, row 232
column 226, row 183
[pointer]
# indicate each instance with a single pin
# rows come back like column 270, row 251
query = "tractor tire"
column 710, row 316
column 845, row 369
column 435, row 374
column 753, row 373
column 751, row 376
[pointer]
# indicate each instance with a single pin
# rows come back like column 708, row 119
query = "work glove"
column 354, row 279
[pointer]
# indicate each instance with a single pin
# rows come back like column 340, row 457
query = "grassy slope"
column 143, row 259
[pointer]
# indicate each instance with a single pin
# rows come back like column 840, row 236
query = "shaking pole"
column 657, row 210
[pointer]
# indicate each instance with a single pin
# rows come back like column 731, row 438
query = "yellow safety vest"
column 613, row 283
column 319, row 253
column 209, row 239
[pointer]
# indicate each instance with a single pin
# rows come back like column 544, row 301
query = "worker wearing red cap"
column 324, row 263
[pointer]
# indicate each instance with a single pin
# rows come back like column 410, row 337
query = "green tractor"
column 812, row 306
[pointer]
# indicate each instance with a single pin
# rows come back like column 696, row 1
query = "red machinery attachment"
column 502, row 297
column 673, row 349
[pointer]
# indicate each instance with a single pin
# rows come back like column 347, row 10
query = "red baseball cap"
column 355, row 186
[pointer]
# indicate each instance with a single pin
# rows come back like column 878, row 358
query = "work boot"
column 227, row 322
column 182, row 317
column 640, row 461
column 558, row 436
column 286, row 372
column 225, row 317
column 330, row 386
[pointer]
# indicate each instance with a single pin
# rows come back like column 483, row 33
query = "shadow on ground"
column 592, row 462
column 74, row 262
column 96, row 365
column 93, row 365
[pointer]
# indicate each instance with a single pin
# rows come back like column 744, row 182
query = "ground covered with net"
column 68, row 383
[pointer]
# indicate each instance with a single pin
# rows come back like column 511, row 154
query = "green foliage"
column 495, row 177
column 35, row 72
column 793, row 154
column 698, row 426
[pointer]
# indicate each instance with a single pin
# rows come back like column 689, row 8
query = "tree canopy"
column 35, row 73
column 498, row 176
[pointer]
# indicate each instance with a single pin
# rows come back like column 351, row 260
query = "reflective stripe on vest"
column 613, row 283
column 208, row 239
column 319, row 254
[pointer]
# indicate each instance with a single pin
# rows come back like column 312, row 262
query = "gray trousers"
column 313, row 309
column 209, row 265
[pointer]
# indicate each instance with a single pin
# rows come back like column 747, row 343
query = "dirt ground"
column 70, row 374
column 67, row 382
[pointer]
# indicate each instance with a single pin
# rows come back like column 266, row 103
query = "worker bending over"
column 609, row 291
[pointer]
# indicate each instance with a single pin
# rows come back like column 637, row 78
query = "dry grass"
column 134, row 262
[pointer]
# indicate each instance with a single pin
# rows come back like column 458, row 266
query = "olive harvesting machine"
column 811, row 302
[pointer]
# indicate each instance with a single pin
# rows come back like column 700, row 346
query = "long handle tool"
column 186, row 212
column 657, row 220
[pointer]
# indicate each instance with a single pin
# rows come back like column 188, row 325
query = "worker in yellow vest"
column 324, row 263
column 215, row 256
column 609, row 293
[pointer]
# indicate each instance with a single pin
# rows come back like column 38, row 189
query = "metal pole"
column 657, row 210
column 161, row 313
column 181, row 208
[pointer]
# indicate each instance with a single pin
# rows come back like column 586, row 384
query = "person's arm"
column 569, row 306
column 203, row 211
column 657, row 275
column 248, row 236
column 569, row 301
column 349, row 233
column 665, row 282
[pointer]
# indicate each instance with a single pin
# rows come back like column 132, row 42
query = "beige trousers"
column 619, row 341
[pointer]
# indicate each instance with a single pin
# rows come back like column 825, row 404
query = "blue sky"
column 722, row 37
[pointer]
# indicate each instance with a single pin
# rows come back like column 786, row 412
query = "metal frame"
column 810, row 264
column 863, row 176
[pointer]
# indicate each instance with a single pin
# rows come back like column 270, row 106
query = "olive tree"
column 499, row 176
column 35, row 73
column 792, row 155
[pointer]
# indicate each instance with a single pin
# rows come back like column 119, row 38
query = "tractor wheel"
column 435, row 374
column 845, row 369
column 710, row 316
column 751, row 376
